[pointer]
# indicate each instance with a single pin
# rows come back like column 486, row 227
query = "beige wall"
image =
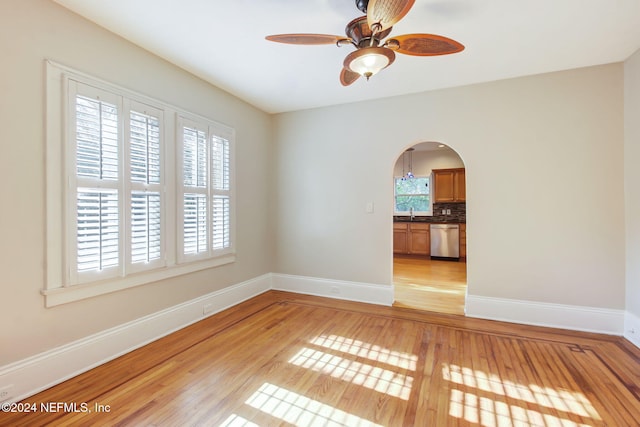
column 632, row 180
column 544, row 160
column 31, row 31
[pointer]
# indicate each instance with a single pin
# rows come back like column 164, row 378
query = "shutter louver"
column 195, row 158
column 145, row 148
column 221, row 230
column 96, row 139
column 220, row 163
column 145, row 227
column 195, row 223
column 97, row 229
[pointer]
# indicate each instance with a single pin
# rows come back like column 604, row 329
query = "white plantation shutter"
column 146, row 229
column 221, row 224
column 206, row 191
column 97, row 229
column 195, row 223
column 220, row 161
column 96, row 139
column 195, row 157
column 145, row 165
column 144, row 142
column 195, row 197
column 95, row 201
column 115, row 185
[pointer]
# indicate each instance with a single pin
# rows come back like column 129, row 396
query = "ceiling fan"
column 367, row 34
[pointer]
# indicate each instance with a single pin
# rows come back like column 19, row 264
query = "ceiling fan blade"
column 424, row 45
column 307, row 39
column 387, row 12
column 347, row 77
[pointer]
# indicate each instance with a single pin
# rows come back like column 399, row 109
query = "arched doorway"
column 429, row 243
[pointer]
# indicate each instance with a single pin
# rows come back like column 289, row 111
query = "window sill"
column 64, row 295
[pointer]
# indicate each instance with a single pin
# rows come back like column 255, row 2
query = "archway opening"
column 429, row 229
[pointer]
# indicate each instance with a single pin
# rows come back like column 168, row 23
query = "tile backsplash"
column 458, row 214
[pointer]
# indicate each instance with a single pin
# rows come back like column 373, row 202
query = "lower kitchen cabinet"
column 400, row 242
column 419, row 243
column 411, row 238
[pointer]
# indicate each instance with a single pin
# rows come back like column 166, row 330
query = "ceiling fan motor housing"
column 358, row 30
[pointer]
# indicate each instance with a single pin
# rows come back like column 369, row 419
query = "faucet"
column 411, row 213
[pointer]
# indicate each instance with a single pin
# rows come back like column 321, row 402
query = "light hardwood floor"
column 432, row 285
column 283, row 359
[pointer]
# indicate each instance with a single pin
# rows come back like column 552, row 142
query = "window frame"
column 211, row 130
column 60, row 284
column 428, row 212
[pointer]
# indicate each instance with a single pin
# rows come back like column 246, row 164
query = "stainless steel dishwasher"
column 445, row 241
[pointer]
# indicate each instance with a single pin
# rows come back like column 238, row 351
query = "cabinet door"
column 444, row 185
column 400, row 239
column 459, row 186
column 449, row 185
column 419, row 243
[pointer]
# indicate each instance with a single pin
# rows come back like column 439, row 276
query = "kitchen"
column 429, row 229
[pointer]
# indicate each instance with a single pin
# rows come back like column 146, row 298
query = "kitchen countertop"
column 428, row 220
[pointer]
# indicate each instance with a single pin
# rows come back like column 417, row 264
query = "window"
column 206, row 189
column 412, row 195
column 131, row 211
column 115, row 194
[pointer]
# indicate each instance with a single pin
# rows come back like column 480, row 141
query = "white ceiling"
column 223, row 42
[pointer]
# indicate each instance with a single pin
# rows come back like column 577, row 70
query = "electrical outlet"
column 5, row 392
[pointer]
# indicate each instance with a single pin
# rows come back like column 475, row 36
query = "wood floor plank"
column 291, row 360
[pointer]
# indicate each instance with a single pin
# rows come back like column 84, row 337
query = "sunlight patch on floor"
column 474, row 406
column 237, row 421
column 300, row 410
column 385, row 381
column 367, row 350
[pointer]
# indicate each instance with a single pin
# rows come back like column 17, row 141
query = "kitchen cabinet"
column 449, row 185
column 411, row 238
column 463, row 242
column 400, row 241
column 419, row 243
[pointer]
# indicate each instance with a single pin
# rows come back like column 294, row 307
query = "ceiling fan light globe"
column 369, row 61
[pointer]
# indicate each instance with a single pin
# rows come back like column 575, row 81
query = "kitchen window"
column 122, row 208
column 412, row 196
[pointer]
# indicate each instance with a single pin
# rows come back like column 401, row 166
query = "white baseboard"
column 632, row 328
column 34, row 374
column 338, row 289
column 578, row 318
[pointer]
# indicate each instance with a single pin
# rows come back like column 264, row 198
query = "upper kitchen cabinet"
column 449, row 185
